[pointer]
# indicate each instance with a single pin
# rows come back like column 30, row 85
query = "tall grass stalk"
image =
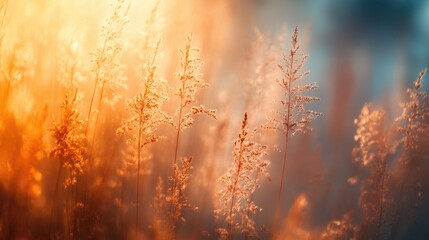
column 372, row 152
column 190, row 82
column 240, row 182
column 146, row 115
column 107, row 57
column 69, row 146
column 295, row 118
column 414, row 136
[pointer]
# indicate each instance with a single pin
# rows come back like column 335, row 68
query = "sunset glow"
column 202, row 119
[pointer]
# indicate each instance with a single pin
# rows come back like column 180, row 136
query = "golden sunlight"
column 190, row 119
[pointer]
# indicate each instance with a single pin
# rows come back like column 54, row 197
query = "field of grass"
column 136, row 119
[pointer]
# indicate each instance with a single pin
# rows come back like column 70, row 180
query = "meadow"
column 135, row 119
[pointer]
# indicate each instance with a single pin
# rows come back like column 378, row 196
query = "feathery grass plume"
column 69, row 146
column 168, row 207
column 68, row 132
column 240, row 183
column 191, row 81
column 107, row 72
column 146, row 116
column 69, row 149
column 415, row 118
column 248, row 226
column 369, row 135
column 295, row 118
column 176, row 197
column 340, row 229
column 107, row 68
column 414, row 136
column 372, row 152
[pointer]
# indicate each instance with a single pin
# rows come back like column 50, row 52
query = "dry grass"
column 176, row 195
column 107, row 69
column 293, row 118
column 69, row 141
column 142, row 162
column 413, row 137
column 146, row 117
column 69, row 149
column 372, row 153
column 190, row 81
column 391, row 189
column 414, row 118
column 240, row 183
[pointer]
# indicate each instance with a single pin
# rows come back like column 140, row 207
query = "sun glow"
column 185, row 119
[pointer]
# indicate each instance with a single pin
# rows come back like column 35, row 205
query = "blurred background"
column 360, row 51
